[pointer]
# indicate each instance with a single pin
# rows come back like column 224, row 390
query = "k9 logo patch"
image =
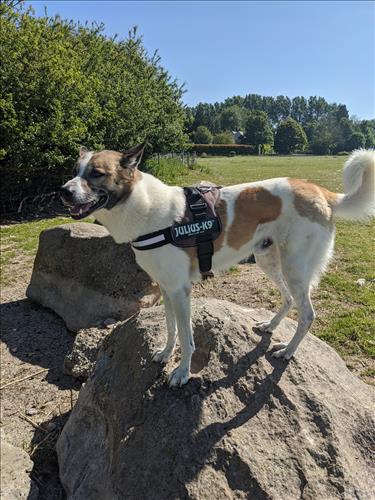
column 200, row 228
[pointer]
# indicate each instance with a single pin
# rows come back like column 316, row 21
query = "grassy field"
column 346, row 311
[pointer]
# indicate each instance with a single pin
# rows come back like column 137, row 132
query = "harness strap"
column 205, row 247
column 153, row 240
column 202, row 212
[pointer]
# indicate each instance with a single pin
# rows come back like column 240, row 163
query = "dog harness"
column 199, row 227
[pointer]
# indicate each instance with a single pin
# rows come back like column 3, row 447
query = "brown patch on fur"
column 221, row 210
column 119, row 180
column 253, row 206
column 313, row 202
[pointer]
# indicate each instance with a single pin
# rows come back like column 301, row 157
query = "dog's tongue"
column 78, row 209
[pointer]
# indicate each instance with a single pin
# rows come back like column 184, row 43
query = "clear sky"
column 221, row 48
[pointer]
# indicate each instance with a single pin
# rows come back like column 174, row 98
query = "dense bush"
column 63, row 85
column 202, row 135
column 223, row 138
column 223, row 149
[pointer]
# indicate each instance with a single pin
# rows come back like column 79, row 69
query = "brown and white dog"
column 295, row 215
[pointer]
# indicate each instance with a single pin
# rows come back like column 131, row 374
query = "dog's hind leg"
column 270, row 265
column 163, row 355
column 181, row 305
column 299, row 283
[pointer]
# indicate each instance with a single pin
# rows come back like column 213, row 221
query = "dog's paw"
column 162, row 356
column 264, row 326
column 282, row 351
column 178, row 377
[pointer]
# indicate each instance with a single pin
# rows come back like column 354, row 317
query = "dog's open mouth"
column 85, row 209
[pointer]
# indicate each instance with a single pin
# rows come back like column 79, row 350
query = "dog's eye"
column 97, row 174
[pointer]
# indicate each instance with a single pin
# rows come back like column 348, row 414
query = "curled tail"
column 358, row 200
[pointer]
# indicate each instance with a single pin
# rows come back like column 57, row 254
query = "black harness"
column 199, row 228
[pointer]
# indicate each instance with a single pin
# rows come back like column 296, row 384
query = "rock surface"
column 246, row 426
column 15, row 468
column 80, row 361
column 86, row 278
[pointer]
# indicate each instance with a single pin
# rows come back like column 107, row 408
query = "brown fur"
column 313, row 202
column 118, row 180
column 253, row 206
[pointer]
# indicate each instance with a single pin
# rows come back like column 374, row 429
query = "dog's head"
column 102, row 180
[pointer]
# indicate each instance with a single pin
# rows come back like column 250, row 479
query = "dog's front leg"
column 181, row 305
column 163, row 355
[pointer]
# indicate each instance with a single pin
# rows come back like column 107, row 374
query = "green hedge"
column 64, row 85
column 224, row 149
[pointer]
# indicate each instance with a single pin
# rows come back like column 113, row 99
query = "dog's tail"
column 358, row 200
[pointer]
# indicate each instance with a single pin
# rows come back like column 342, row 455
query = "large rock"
column 80, row 360
column 86, row 278
column 15, row 469
column 245, row 426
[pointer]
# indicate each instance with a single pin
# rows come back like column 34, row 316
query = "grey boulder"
column 86, row 278
column 80, row 361
column 246, row 426
column 15, row 469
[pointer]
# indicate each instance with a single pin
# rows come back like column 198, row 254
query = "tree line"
column 280, row 123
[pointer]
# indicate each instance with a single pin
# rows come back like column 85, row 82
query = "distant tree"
column 289, row 137
column 342, row 112
column 357, row 140
column 204, row 115
column 258, row 130
column 231, row 118
column 321, row 144
column 223, row 138
column 299, row 109
column 367, row 127
column 281, row 109
column 253, row 102
column 317, row 107
column 202, row 135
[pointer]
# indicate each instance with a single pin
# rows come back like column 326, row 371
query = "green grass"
column 345, row 310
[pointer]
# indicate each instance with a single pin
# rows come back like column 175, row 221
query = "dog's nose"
column 66, row 193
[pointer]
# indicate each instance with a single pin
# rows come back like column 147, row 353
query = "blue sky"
column 220, row 48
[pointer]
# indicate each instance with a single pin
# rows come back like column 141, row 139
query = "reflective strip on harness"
column 150, row 241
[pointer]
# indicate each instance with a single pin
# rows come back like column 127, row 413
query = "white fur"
column 300, row 252
column 83, row 162
column 358, row 202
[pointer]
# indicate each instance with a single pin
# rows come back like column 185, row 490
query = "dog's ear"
column 83, row 151
column 132, row 157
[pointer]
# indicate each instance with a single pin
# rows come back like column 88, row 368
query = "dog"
column 287, row 224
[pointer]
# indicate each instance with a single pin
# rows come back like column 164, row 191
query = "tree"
column 223, row 138
column 367, row 127
column 289, row 137
column 299, row 109
column 357, row 140
column 231, row 118
column 202, row 135
column 258, row 130
column 204, row 115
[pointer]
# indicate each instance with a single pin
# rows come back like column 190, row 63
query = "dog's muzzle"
column 80, row 203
